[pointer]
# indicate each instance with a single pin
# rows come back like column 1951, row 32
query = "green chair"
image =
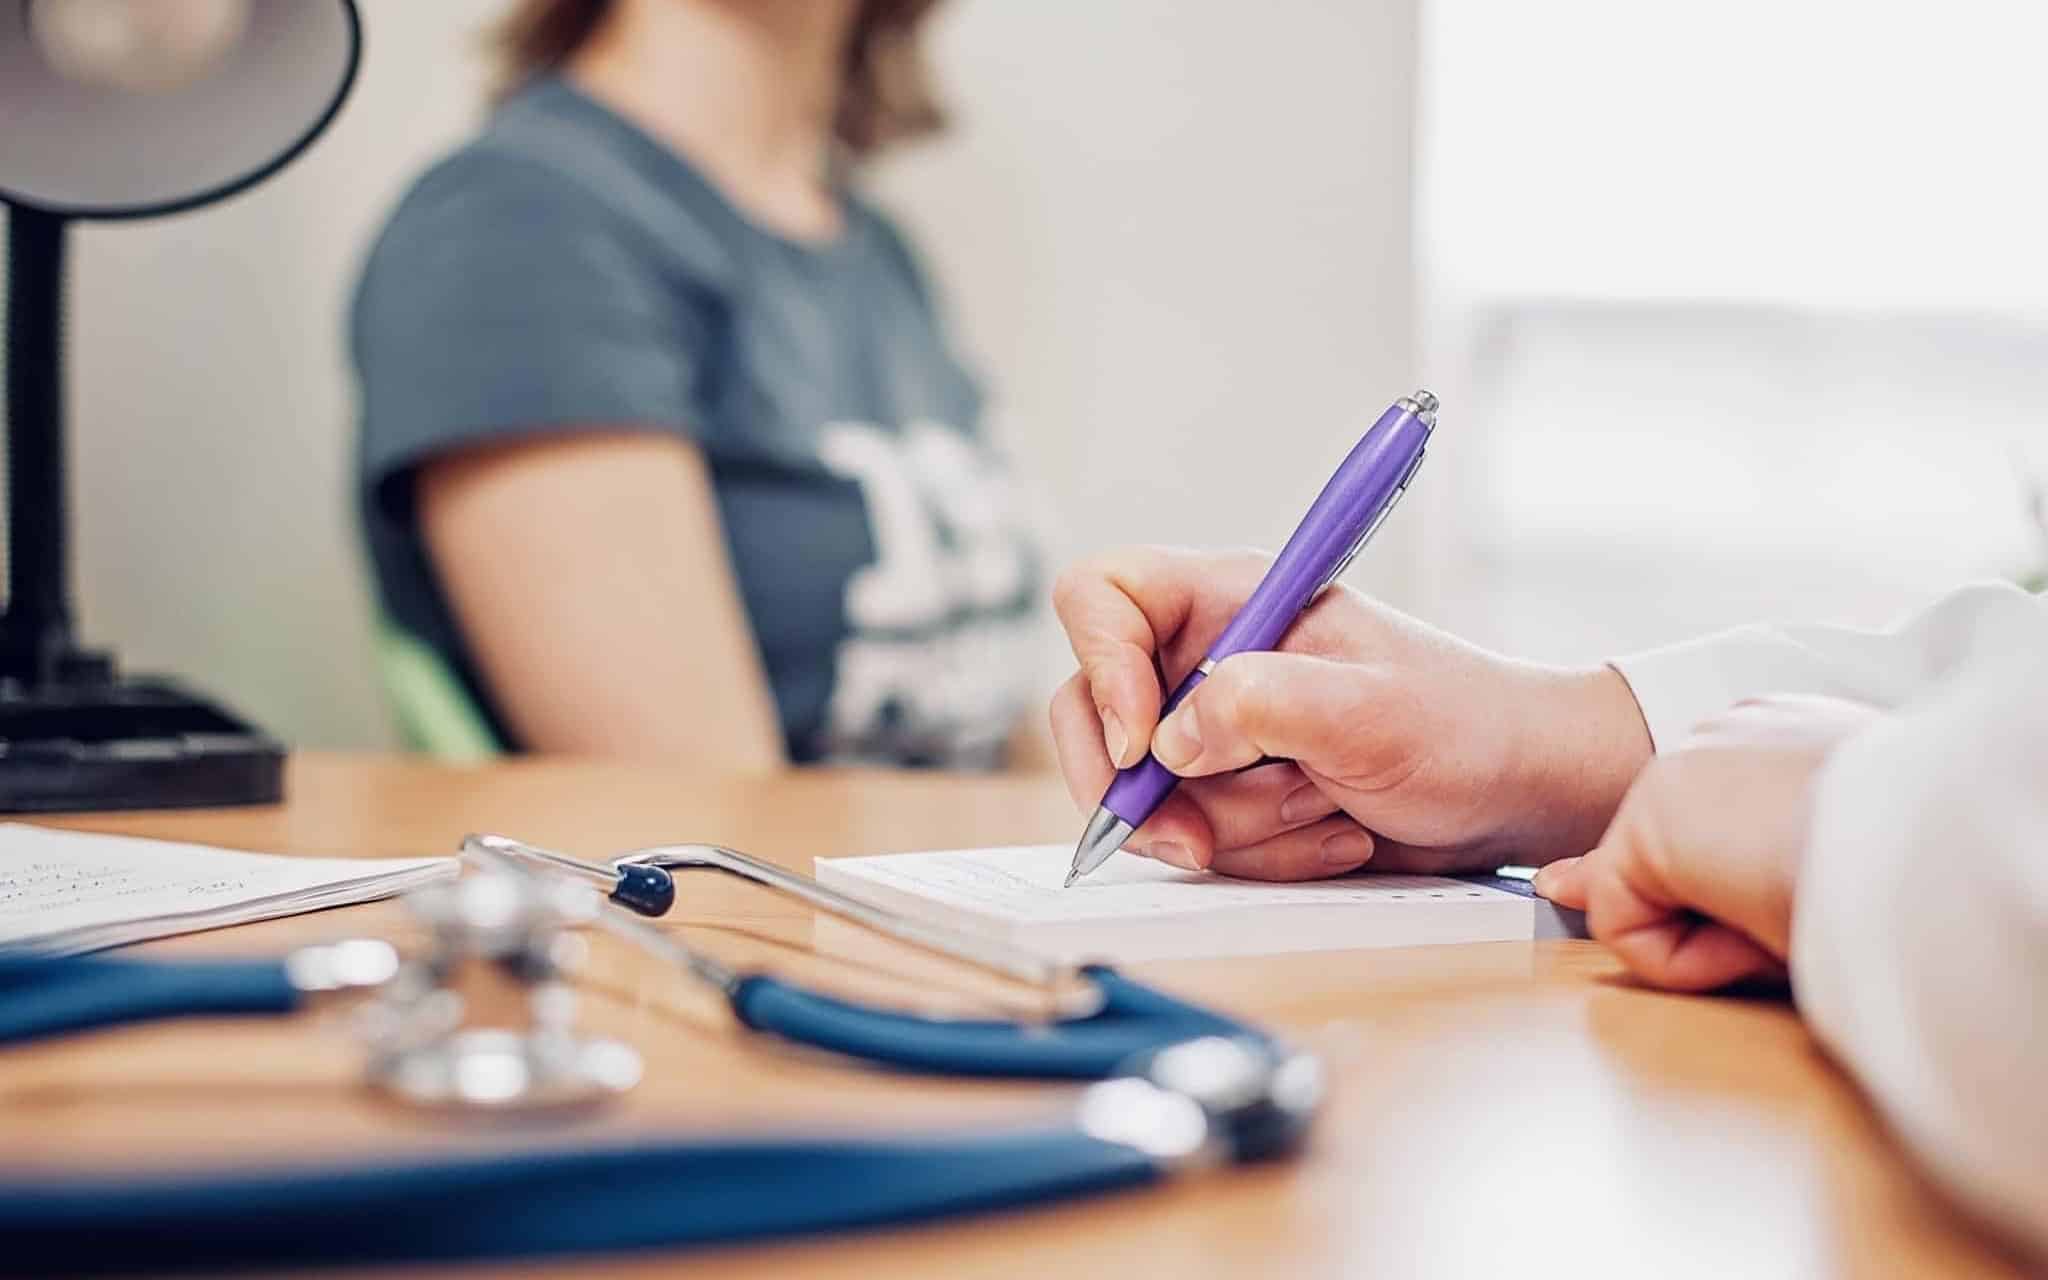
column 435, row 713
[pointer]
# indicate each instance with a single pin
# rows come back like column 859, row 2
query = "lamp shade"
column 129, row 108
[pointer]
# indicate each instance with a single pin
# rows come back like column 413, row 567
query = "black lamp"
column 113, row 109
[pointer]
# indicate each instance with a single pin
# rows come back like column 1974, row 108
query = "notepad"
column 66, row 892
column 1135, row 909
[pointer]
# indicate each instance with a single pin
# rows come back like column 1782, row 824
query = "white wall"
column 1178, row 236
column 1727, row 339
column 216, row 528
column 1174, row 234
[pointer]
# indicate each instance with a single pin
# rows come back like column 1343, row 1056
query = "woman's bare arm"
column 590, row 575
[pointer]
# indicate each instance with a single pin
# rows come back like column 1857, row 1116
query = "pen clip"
column 1358, row 545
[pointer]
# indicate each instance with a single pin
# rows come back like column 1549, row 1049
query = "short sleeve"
column 505, row 300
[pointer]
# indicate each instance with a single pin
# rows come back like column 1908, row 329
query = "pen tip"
column 1072, row 875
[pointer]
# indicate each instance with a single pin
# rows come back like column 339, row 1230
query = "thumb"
column 1331, row 716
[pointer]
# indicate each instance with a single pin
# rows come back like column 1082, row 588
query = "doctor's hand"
column 1693, row 885
column 1400, row 746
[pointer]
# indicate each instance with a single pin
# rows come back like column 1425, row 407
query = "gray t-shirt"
column 565, row 270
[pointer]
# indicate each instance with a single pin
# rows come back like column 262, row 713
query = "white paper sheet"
column 68, row 891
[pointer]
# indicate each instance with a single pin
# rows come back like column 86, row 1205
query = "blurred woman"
column 663, row 447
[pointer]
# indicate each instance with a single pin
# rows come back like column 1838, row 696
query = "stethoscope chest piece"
column 486, row 1019
column 492, row 1068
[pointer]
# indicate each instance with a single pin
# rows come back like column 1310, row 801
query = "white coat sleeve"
column 1679, row 686
column 1920, row 933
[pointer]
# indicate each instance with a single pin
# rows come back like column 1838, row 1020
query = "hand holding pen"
column 1403, row 746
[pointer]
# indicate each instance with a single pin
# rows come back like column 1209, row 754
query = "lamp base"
column 128, row 743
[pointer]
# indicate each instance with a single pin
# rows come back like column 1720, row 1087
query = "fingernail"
column 1347, row 849
column 1304, row 802
column 1179, row 739
column 1113, row 736
column 1174, row 854
column 1546, row 877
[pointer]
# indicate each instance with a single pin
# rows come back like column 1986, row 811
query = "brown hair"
column 886, row 96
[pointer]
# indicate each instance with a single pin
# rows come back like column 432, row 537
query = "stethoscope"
column 1176, row 1087
column 1101, row 1019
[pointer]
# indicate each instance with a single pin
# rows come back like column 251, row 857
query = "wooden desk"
column 1495, row 1109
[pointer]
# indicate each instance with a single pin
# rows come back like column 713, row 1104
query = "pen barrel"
column 1137, row 792
column 1364, row 489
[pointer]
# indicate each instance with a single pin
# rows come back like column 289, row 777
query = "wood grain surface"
column 1495, row 1109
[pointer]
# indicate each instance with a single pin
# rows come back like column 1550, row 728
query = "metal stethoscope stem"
column 1095, row 1023
column 642, row 881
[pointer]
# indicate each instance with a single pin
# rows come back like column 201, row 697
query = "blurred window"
column 1747, row 302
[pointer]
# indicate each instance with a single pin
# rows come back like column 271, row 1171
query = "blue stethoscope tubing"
column 1133, row 1020
column 587, row 1198
column 529, row 1203
column 42, row 997
column 535, row 1203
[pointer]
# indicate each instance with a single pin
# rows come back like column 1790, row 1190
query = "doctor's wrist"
column 1583, row 740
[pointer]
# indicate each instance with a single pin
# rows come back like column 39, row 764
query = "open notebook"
column 65, row 892
column 1135, row 909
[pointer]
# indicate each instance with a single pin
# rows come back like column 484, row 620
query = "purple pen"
column 1351, row 506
